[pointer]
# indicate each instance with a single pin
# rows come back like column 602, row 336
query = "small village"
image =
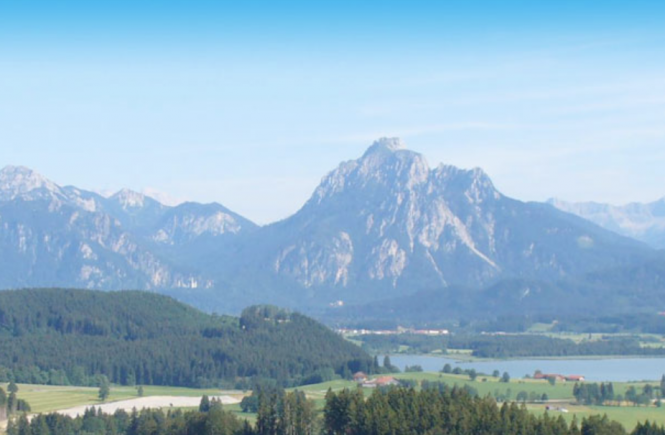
column 555, row 377
column 382, row 381
column 399, row 330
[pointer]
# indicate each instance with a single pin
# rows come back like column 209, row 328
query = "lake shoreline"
column 469, row 358
column 594, row 369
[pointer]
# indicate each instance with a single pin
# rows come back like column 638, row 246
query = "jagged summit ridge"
column 641, row 221
column 385, row 165
column 392, row 214
column 19, row 180
column 53, row 236
column 389, row 166
column 128, row 198
column 385, row 145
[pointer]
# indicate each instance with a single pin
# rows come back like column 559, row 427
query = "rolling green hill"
column 56, row 336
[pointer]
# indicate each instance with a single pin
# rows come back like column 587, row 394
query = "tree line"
column 395, row 411
column 505, row 346
column 603, row 394
column 436, row 409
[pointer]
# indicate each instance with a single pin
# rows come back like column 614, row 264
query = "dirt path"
column 146, row 402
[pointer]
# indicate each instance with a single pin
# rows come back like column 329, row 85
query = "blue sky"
column 250, row 103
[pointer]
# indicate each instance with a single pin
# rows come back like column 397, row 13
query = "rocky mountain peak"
column 474, row 183
column 129, row 199
column 641, row 221
column 385, row 145
column 386, row 164
column 18, row 180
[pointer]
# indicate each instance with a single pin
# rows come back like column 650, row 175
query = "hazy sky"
column 250, row 103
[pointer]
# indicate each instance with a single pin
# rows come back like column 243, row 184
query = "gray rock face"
column 64, row 236
column 17, row 181
column 386, row 224
column 644, row 222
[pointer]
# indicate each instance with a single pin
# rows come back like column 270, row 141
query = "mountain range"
column 380, row 227
column 644, row 222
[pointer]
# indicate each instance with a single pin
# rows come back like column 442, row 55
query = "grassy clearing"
column 45, row 398
column 249, row 416
column 628, row 416
column 492, row 384
column 541, row 327
column 317, row 392
column 355, row 341
column 483, row 384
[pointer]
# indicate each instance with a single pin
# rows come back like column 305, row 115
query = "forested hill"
column 61, row 336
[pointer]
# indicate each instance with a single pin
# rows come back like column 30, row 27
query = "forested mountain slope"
column 70, row 336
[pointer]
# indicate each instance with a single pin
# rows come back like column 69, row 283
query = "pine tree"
column 204, row 406
column 12, row 428
column 12, row 403
column 104, row 392
column 12, row 387
column 39, row 426
column 23, row 426
column 387, row 365
column 610, row 391
column 3, row 404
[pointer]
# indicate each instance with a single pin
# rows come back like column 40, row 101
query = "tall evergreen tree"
column 12, row 387
column 204, row 405
column 104, row 392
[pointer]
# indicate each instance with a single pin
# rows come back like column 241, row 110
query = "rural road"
column 146, row 402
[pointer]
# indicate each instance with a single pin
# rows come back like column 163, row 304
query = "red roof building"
column 360, row 377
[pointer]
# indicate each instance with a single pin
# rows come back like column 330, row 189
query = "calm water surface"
column 611, row 369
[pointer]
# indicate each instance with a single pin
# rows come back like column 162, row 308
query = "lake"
column 606, row 369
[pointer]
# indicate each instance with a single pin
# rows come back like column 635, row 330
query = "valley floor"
column 72, row 400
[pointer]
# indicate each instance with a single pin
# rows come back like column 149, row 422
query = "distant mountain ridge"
column 65, row 236
column 644, row 222
column 383, row 226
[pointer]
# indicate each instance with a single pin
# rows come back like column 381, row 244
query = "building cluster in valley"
column 381, row 381
column 399, row 330
column 558, row 378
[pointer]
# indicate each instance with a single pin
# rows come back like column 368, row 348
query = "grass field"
column 492, row 384
column 628, row 416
